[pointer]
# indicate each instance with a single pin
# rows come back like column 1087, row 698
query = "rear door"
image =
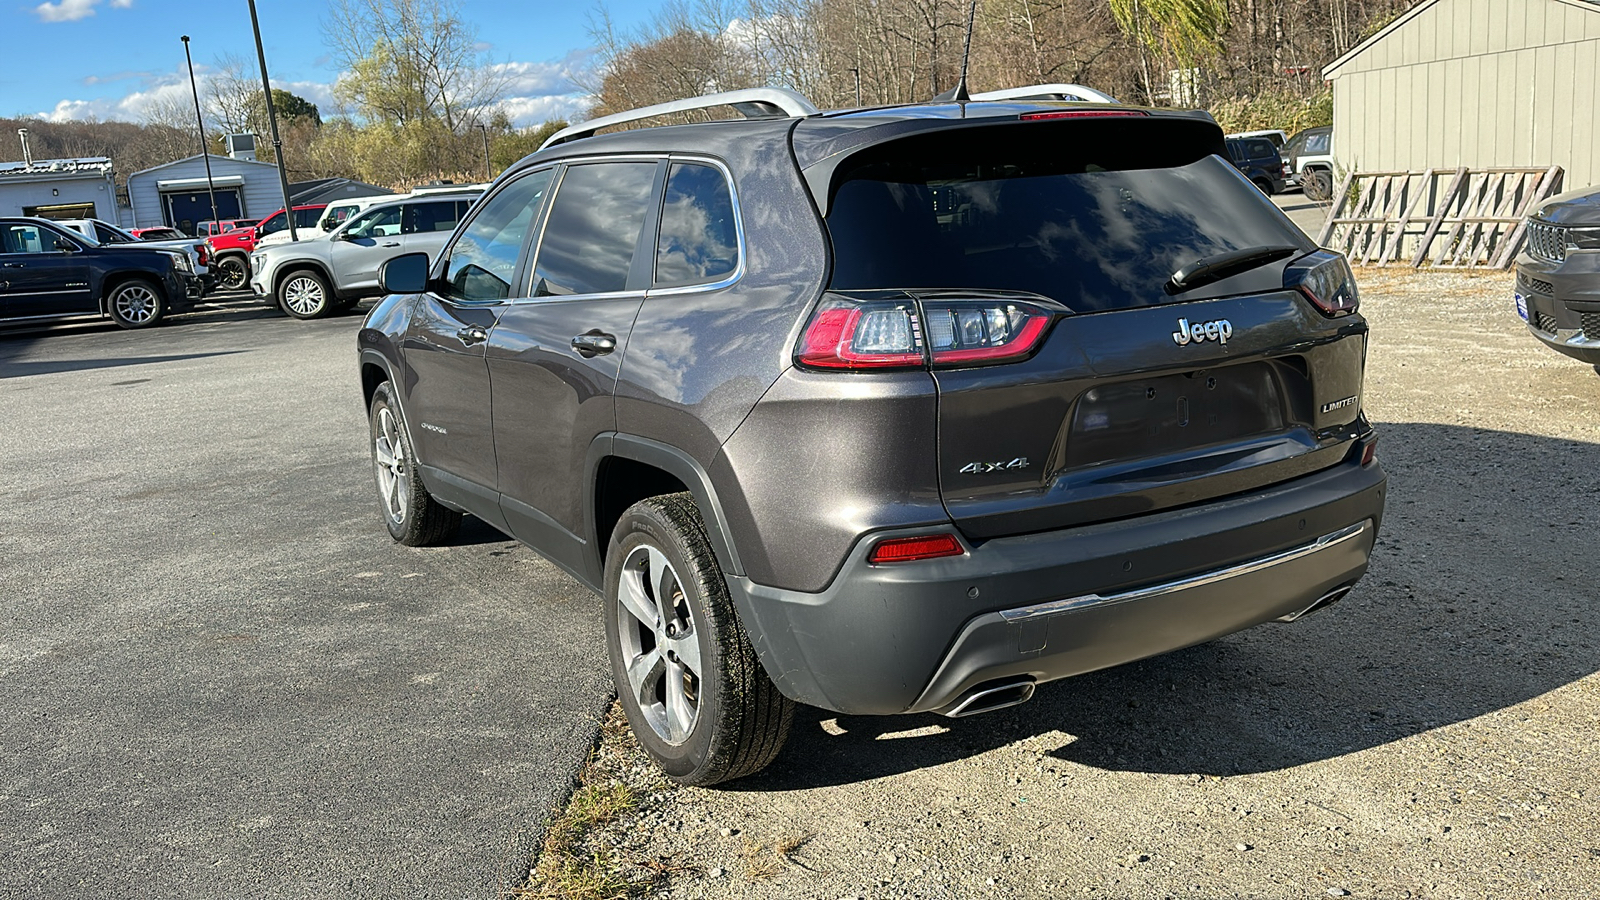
column 365, row 244
column 1121, row 407
column 554, row 356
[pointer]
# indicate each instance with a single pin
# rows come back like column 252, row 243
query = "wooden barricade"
column 1477, row 219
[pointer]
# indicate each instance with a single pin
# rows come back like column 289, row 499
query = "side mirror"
column 404, row 274
column 329, row 225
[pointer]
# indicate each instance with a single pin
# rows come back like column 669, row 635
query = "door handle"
column 389, row 245
column 16, row 265
column 594, row 342
column 472, row 334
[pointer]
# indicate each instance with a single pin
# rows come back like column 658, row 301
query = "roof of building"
column 317, row 190
column 98, row 166
column 1415, row 11
column 216, row 158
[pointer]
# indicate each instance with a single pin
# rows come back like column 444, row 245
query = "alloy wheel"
column 660, row 645
column 389, row 458
column 303, row 295
column 136, row 304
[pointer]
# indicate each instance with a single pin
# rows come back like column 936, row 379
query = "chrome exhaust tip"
column 988, row 698
column 1328, row 599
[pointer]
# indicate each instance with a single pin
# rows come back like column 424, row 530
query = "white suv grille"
column 1547, row 242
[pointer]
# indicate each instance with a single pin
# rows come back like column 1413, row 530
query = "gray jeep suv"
column 1558, row 275
column 894, row 410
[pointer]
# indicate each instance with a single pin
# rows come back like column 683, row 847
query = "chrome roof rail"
column 1048, row 92
column 753, row 103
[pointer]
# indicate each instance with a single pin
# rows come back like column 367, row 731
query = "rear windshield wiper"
column 1224, row 265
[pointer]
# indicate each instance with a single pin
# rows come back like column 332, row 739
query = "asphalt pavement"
column 219, row 677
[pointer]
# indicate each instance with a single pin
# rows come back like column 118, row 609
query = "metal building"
column 1475, row 83
column 176, row 193
column 59, row 188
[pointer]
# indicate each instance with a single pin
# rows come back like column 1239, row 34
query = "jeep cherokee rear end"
column 969, row 397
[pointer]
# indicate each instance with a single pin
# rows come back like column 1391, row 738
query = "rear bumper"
column 923, row 636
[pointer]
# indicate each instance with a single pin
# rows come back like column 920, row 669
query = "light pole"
column 488, row 170
column 272, row 122
column 205, row 152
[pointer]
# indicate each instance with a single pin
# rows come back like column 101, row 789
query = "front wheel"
column 694, row 691
column 136, row 303
column 305, row 295
column 232, row 273
column 413, row 516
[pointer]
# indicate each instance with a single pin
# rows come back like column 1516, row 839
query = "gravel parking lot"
column 1430, row 736
column 218, row 676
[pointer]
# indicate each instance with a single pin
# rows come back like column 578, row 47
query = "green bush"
column 1290, row 112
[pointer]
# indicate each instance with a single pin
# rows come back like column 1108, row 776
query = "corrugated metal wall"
column 1476, row 83
column 260, row 196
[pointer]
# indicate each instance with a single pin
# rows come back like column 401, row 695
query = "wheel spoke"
column 663, row 583
column 643, row 672
column 385, row 457
column 680, row 714
column 630, row 593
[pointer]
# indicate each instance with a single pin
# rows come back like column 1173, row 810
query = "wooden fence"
column 1477, row 219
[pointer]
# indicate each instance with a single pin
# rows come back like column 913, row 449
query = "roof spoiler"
column 752, row 103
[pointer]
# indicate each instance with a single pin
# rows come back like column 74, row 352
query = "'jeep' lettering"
column 1218, row 330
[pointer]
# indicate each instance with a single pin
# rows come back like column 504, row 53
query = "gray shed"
column 174, row 193
column 59, row 189
column 1474, row 83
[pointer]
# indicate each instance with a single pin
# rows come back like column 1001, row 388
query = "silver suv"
column 312, row 278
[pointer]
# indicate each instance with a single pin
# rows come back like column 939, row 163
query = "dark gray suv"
column 1558, row 275
column 892, row 410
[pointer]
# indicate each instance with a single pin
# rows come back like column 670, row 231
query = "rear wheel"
column 695, row 694
column 305, row 295
column 1318, row 184
column 232, row 272
column 1264, row 185
column 413, row 516
column 136, row 303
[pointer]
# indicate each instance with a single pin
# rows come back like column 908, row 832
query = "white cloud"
column 66, row 10
column 122, row 4
column 538, row 92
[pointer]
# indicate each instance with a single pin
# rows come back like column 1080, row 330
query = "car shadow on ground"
column 1479, row 598
column 10, row 369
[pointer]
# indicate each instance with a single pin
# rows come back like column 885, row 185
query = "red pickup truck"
column 230, row 251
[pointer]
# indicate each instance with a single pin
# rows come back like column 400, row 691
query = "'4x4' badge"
column 985, row 468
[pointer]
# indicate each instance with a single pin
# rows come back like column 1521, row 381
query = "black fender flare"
column 674, row 462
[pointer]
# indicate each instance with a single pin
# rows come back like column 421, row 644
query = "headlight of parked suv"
column 256, row 261
column 1587, row 238
column 180, row 261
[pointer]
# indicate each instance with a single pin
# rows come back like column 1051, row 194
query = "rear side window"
column 1318, row 144
column 595, row 221
column 434, row 215
column 1095, row 222
column 699, row 240
column 483, row 259
column 305, row 218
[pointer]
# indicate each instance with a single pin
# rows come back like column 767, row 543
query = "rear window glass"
column 1094, row 225
column 1319, row 143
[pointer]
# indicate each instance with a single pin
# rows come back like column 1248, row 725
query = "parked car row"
column 102, row 232
column 1276, row 162
column 48, row 271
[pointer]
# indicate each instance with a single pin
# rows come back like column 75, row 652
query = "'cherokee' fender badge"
column 1218, row 330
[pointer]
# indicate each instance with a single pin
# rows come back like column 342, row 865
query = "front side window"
column 699, row 240
column 305, row 218
column 594, row 228
column 376, row 223
column 274, row 224
column 31, row 239
column 483, row 259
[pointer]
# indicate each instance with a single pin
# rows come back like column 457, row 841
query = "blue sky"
column 107, row 59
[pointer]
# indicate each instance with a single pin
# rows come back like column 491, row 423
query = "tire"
column 305, row 295
column 136, row 303
column 704, row 709
column 232, row 272
column 414, row 518
column 1317, row 183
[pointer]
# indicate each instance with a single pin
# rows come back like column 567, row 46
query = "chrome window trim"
column 1088, row 601
column 738, row 228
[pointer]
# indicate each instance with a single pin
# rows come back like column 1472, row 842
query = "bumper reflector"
column 908, row 549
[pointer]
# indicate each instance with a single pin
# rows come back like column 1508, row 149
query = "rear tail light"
column 1369, row 451
column 1324, row 277
column 203, row 253
column 845, row 333
column 909, row 549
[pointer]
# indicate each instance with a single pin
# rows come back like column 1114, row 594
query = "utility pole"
column 488, row 170
column 272, row 122
column 205, row 152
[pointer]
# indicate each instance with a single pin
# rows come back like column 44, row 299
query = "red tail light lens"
column 1369, row 452
column 1324, row 277
column 846, row 333
column 909, row 549
column 203, row 253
